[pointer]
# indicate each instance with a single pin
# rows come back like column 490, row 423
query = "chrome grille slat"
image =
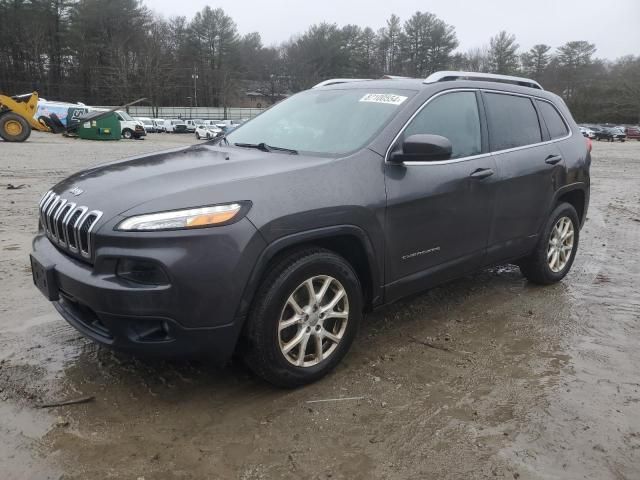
column 49, row 214
column 54, row 220
column 65, row 220
column 45, row 208
column 67, row 224
column 76, row 224
column 59, row 222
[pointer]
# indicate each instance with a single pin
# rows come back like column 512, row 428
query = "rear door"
column 530, row 167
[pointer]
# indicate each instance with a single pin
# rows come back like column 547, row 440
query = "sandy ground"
column 524, row 382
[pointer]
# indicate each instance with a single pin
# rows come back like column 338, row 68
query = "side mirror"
column 423, row 148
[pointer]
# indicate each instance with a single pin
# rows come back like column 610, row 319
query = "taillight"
column 589, row 144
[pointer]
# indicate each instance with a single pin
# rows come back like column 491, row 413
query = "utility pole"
column 194, row 75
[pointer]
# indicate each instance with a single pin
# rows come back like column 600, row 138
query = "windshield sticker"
column 387, row 98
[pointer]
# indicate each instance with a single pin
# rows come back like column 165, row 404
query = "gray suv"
column 273, row 240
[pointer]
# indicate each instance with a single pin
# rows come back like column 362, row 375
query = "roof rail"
column 336, row 81
column 489, row 77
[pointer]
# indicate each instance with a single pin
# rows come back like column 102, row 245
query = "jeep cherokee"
column 274, row 239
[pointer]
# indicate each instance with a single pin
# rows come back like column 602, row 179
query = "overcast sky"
column 613, row 25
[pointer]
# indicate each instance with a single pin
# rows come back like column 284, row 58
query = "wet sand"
column 524, row 382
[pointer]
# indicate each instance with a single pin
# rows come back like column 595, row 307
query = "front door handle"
column 481, row 173
column 553, row 159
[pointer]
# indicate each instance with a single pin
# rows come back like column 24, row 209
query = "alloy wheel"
column 313, row 321
column 560, row 244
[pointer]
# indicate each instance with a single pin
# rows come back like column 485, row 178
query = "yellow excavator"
column 17, row 117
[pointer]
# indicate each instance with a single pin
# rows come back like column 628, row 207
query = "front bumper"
column 195, row 314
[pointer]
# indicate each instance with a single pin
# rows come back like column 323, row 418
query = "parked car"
column 148, row 124
column 131, row 128
column 159, row 124
column 610, row 134
column 633, row 133
column 227, row 125
column 207, row 131
column 587, row 132
column 192, row 124
column 175, row 125
column 287, row 229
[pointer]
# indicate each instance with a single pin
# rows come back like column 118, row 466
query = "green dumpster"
column 107, row 128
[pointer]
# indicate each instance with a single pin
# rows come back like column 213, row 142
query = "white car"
column 207, row 131
column 587, row 132
column 230, row 124
column 149, row 127
column 131, row 128
column 175, row 126
column 159, row 124
column 193, row 124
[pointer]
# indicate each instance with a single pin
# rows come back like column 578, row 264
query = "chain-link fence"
column 204, row 113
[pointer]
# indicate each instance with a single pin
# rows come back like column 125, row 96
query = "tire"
column 128, row 134
column 265, row 342
column 14, row 128
column 197, row 136
column 537, row 266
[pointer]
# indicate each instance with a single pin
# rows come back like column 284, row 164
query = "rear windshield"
column 324, row 121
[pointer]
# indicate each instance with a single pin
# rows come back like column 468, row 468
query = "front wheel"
column 14, row 128
column 304, row 318
column 128, row 134
column 556, row 249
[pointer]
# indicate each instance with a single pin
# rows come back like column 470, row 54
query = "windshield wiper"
column 266, row 148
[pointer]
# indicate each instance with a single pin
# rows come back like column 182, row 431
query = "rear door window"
column 553, row 119
column 513, row 121
column 454, row 116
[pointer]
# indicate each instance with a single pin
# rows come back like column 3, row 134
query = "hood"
column 180, row 178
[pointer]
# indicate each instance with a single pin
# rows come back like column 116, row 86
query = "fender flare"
column 306, row 237
column 580, row 186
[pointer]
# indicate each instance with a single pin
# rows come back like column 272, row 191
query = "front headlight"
column 183, row 219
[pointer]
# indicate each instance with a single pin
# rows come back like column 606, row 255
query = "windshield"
column 126, row 116
column 323, row 121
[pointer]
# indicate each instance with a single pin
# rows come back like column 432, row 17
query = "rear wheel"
column 556, row 249
column 304, row 318
column 14, row 128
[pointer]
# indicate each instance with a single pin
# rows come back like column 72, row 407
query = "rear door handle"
column 481, row 173
column 553, row 159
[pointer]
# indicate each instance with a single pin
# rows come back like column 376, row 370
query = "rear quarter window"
column 552, row 118
column 513, row 121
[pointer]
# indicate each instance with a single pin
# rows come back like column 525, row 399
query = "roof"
column 467, row 79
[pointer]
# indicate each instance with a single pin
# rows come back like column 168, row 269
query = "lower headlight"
column 183, row 219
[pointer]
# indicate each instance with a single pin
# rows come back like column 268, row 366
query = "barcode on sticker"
column 388, row 98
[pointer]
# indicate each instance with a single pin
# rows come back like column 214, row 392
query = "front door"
column 439, row 213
